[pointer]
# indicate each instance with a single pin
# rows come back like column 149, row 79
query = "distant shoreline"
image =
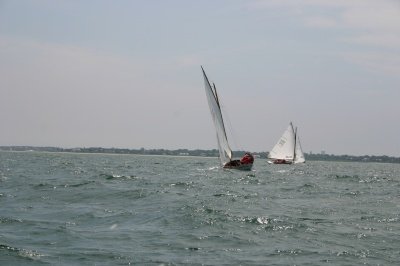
column 201, row 153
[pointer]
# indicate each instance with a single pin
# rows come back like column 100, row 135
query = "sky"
column 126, row 74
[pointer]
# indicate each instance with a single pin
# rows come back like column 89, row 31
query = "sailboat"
column 288, row 148
column 225, row 152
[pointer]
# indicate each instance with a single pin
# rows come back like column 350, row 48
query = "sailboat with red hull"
column 225, row 152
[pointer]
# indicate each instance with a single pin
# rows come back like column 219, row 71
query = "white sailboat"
column 225, row 152
column 288, row 148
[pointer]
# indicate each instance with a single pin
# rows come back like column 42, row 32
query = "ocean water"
column 99, row 209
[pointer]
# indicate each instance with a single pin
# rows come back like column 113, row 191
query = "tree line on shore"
column 204, row 153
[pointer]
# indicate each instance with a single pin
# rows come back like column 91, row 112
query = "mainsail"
column 285, row 147
column 225, row 152
column 299, row 152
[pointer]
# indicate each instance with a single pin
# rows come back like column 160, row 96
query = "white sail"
column 225, row 152
column 299, row 152
column 284, row 149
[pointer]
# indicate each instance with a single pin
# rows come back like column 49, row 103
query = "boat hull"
column 280, row 161
column 236, row 164
column 244, row 167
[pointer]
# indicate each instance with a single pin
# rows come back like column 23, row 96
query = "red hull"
column 246, row 163
column 236, row 164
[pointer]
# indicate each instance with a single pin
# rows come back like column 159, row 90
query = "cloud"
column 364, row 17
column 189, row 60
column 377, row 62
column 72, row 96
column 320, row 22
column 371, row 27
column 384, row 40
column 76, row 73
column 372, row 15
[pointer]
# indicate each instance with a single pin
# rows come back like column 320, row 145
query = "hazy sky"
column 127, row 74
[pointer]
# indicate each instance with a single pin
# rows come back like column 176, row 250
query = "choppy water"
column 97, row 209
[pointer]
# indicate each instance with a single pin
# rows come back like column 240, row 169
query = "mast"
column 216, row 95
column 295, row 144
column 222, row 118
column 213, row 91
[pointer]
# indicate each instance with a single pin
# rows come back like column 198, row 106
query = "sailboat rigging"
column 225, row 152
column 288, row 148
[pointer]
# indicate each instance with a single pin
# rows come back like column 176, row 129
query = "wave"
column 181, row 184
column 345, row 177
column 20, row 252
column 257, row 223
column 80, row 184
column 6, row 220
column 115, row 176
column 48, row 185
